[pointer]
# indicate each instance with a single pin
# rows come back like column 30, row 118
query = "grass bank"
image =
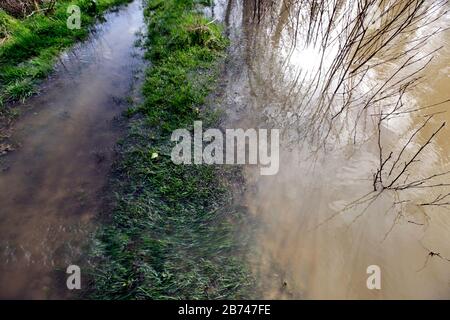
column 29, row 46
column 172, row 234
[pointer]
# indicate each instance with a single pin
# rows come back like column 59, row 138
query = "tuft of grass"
column 20, row 89
column 29, row 46
column 172, row 234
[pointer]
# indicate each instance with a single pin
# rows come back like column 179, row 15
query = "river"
column 320, row 223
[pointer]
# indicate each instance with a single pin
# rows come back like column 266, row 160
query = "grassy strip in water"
column 28, row 47
column 171, row 235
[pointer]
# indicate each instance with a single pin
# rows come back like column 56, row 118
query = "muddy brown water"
column 51, row 185
column 305, row 246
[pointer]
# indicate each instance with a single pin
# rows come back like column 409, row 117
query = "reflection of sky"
column 331, row 261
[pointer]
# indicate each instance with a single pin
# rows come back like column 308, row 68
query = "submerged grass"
column 29, row 46
column 172, row 234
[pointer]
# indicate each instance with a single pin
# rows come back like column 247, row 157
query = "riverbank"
column 173, row 232
column 30, row 46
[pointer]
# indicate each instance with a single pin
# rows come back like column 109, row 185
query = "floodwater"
column 51, row 185
column 320, row 222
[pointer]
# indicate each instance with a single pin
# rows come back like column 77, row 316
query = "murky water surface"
column 320, row 222
column 50, row 187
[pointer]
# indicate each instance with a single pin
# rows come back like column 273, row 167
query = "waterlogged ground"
column 51, row 185
column 305, row 245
